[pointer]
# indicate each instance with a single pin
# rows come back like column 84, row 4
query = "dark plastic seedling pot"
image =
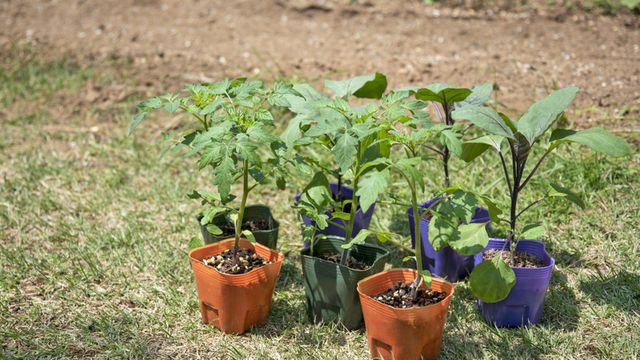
column 446, row 263
column 268, row 238
column 362, row 219
column 330, row 288
column 523, row 305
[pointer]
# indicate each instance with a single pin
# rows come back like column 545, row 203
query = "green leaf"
column 596, row 139
column 212, row 106
column 345, row 150
column 545, row 112
column 136, row 121
column 171, row 106
column 450, row 139
column 259, row 134
column 559, row 191
column 263, row 115
column 494, row 210
column 362, row 235
column 249, row 235
column 281, row 183
column 374, row 183
column 211, row 213
column 367, row 86
column 224, row 176
column 470, row 239
column 212, row 229
column 465, row 205
column 340, row 215
column 211, row 154
column 485, row 118
column 195, row 242
column 479, row 95
column 473, row 148
column 492, row 280
column 383, row 236
column 440, row 231
column 414, row 105
column 426, row 277
column 407, row 258
column 532, row 231
column 317, row 193
column 442, row 93
column 247, row 149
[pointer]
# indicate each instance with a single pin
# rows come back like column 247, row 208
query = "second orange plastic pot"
column 393, row 333
column 235, row 303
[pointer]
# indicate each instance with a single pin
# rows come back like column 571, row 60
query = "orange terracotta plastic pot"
column 414, row 333
column 234, row 303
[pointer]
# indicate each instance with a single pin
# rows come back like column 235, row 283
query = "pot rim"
column 280, row 256
column 333, row 237
column 415, row 308
column 544, row 249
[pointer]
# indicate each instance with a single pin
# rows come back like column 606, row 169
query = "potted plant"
column 445, row 141
column 318, row 121
column 511, row 276
column 235, row 278
column 350, row 134
column 405, row 310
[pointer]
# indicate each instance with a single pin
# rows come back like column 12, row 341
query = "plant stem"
column 506, row 173
column 418, row 241
column 243, row 203
column 445, row 152
column 339, row 192
column 530, row 205
column 535, row 168
column 445, row 162
column 354, row 206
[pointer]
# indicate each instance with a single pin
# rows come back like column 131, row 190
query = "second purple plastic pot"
column 446, row 263
column 523, row 305
column 362, row 219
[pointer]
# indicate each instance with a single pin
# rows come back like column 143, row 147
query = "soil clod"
column 248, row 260
column 399, row 296
column 516, row 259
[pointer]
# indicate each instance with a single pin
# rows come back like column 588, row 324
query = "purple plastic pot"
column 523, row 305
column 446, row 263
column 362, row 220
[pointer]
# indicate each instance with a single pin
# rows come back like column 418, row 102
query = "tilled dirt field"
column 171, row 42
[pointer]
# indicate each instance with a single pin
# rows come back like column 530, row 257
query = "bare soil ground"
column 171, row 42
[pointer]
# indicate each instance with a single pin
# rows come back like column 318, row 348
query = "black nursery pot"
column 268, row 238
column 330, row 288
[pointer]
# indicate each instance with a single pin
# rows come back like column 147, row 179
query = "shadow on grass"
column 560, row 306
column 621, row 290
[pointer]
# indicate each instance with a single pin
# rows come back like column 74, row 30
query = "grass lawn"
column 94, row 234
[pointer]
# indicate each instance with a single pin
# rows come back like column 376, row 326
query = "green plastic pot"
column 268, row 238
column 330, row 288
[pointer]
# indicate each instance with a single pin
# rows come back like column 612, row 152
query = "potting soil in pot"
column 398, row 296
column 252, row 225
column 352, row 263
column 247, row 261
column 519, row 259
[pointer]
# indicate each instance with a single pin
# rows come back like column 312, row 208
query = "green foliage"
column 492, row 280
column 348, row 132
column 232, row 117
column 488, row 281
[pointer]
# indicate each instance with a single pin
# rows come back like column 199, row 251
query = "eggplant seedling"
column 488, row 279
